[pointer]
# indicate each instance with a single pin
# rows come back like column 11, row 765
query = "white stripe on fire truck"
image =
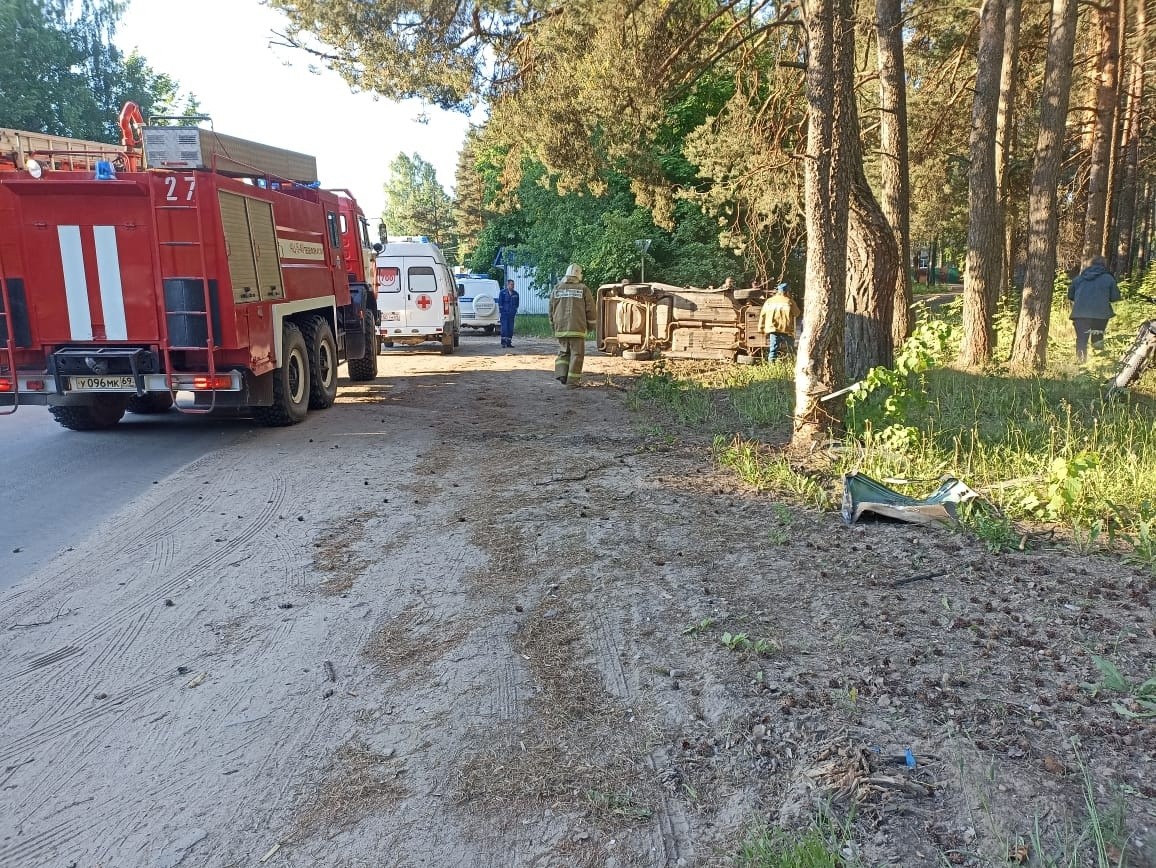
column 75, row 283
column 111, row 291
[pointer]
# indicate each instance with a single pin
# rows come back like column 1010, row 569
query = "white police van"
column 417, row 296
column 478, row 296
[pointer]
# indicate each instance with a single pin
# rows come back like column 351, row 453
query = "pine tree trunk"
column 1126, row 219
column 819, row 365
column 1099, row 168
column 984, row 235
column 1116, row 158
column 1029, row 351
column 1004, row 145
column 895, row 197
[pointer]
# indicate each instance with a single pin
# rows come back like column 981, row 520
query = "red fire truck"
column 183, row 268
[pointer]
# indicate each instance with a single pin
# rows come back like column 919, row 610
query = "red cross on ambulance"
column 424, row 302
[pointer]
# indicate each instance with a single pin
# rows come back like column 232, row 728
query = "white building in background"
column 528, row 300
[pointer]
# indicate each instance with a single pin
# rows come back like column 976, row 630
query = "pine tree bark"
column 1029, row 350
column 984, row 238
column 819, row 365
column 1004, row 145
column 1099, row 169
column 1119, row 130
column 894, row 163
column 872, row 261
column 1126, row 213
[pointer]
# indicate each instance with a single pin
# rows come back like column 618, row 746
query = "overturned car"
column 642, row 321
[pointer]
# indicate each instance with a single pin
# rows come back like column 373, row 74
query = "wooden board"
column 197, row 148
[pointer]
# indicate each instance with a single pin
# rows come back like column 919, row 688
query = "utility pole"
column 643, row 244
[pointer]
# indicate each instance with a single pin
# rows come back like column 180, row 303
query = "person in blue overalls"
column 508, row 301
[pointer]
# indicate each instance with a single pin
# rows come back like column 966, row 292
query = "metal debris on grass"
column 862, row 494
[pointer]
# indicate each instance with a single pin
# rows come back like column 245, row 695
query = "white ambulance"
column 417, row 296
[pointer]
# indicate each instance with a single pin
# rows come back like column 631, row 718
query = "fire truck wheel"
column 150, row 404
column 322, row 349
column 365, row 369
column 101, row 413
column 290, row 383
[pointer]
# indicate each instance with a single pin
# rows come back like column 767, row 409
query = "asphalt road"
column 57, row 485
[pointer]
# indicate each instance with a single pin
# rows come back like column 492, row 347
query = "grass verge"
column 1050, row 448
column 766, row 847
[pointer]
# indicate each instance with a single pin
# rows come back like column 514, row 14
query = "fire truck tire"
column 102, row 413
column 151, row 404
column 365, row 369
column 323, row 363
column 290, row 383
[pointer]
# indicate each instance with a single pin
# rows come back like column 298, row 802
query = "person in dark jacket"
column 1091, row 295
column 508, row 301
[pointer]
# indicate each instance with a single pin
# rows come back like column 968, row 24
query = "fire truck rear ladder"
column 198, row 242
column 13, row 379
column 10, row 345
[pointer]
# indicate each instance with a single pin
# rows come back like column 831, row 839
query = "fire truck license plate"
column 103, row 384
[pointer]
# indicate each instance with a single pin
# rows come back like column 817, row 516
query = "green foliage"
column 1065, row 487
column 736, row 641
column 533, row 325
column 61, row 74
column 683, row 400
column 699, row 626
column 416, row 203
column 879, row 403
column 990, row 525
column 620, row 805
column 769, row 470
column 1141, row 704
column 775, row 848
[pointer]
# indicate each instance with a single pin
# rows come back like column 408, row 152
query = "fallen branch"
column 898, row 583
column 60, row 614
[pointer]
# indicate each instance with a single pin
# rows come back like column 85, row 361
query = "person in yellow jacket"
column 777, row 320
column 572, row 314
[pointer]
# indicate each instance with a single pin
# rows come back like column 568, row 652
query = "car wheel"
column 364, row 369
column 322, row 348
column 290, row 383
column 637, row 355
column 745, row 294
column 100, row 414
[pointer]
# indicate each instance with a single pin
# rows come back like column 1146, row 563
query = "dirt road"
column 469, row 618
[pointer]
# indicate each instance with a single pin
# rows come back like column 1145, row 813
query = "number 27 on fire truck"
column 185, row 268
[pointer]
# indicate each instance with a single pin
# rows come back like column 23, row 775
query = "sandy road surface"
column 468, row 618
column 59, row 484
column 331, row 593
